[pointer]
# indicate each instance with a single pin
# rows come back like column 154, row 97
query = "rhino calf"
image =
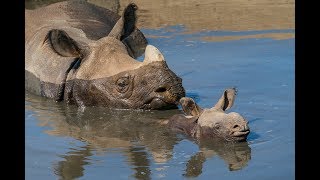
column 211, row 123
column 84, row 54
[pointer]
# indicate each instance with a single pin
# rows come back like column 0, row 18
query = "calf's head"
column 105, row 74
column 215, row 121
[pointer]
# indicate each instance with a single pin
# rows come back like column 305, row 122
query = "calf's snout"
column 240, row 127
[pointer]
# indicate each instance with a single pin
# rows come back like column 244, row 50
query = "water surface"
column 212, row 45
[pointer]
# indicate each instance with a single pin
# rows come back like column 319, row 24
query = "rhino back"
column 46, row 71
column 96, row 22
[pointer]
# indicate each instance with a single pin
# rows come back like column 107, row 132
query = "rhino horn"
column 152, row 54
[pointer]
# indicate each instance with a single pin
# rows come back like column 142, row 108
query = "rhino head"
column 110, row 77
column 213, row 122
column 103, row 72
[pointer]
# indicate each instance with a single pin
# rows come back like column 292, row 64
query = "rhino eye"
column 217, row 125
column 122, row 84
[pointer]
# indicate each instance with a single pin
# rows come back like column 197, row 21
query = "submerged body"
column 84, row 54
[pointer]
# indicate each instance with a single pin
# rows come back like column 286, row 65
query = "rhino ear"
column 126, row 24
column 227, row 99
column 62, row 44
column 190, row 107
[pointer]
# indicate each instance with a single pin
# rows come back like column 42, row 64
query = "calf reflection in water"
column 136, row 135
column 235, row 155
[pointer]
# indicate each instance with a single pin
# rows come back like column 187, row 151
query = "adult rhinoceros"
column 84, row 54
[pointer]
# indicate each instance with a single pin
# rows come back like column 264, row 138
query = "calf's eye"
column 217, row 125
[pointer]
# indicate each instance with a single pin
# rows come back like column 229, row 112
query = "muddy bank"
column 213, row 15
column 216, row 15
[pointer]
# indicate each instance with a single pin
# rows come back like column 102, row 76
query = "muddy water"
column 212, row 45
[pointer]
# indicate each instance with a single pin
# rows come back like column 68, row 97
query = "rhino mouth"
column 240, row 135
column 158, row 103
column 164, row 97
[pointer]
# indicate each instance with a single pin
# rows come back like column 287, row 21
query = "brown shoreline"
column 275, row 36
column 207, row 15
column 216, row 15
column 200, row 15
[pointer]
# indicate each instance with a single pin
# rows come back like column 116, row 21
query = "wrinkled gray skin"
column 213, row 122
column 84, row 54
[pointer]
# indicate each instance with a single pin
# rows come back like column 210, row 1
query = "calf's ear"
column 126, row 24
column 62, row 44
column 190, row 107
column 227, row 99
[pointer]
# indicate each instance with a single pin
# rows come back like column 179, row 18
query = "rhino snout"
column 240, row 130
column 171, row 93
column 239, row 127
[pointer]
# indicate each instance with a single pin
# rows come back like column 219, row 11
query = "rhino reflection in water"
column 84, row 54
column 235, row 155
column 135, row 134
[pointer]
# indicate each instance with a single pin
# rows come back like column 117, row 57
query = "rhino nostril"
column 235, row 126
column 161, row 89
